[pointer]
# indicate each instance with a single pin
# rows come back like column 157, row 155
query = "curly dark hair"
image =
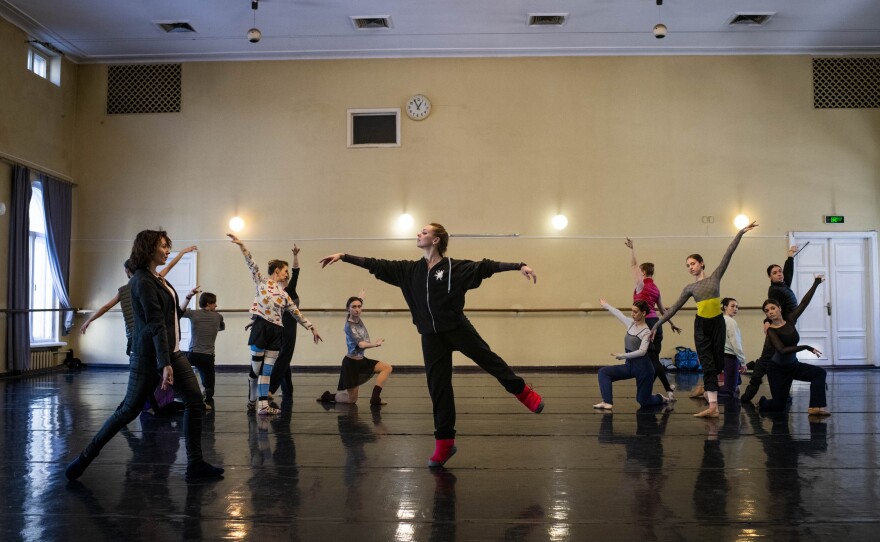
column 145, row 245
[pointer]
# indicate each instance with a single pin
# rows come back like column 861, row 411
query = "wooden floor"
column 354, row 473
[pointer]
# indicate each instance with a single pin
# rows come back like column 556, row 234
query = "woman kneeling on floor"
column 356, row 368
column 638, row 364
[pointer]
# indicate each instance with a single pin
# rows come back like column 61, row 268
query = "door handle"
column 828, row 308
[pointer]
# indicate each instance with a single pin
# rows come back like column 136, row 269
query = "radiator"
column 44, row 358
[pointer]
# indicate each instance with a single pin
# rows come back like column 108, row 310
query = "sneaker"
column 749, row 394
column 443, row 450
column 201, row 470
column 251, row 406
column 77, row 467
column 265, row 409
column 531, row 399
column 327, row 397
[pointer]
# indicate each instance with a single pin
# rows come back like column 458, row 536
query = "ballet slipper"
column 603, row 406
column 711, row 412
column 698, row 393
column 818, row 411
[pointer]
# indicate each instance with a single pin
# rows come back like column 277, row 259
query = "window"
column 38, row 63
column 44, row 325
column 44, row 62
column 374, row 127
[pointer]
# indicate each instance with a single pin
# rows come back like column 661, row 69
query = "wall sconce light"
column 559, row 222
column 741, row 221
column 236, row 224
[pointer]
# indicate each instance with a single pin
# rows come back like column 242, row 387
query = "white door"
column 182, row 278
column 841, row 321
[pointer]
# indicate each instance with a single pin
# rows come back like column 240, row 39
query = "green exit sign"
column 834, row 219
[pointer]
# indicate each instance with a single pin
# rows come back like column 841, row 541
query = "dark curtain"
column 18, row 326
column 58, row 202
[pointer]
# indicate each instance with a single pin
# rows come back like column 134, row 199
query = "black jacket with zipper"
column 436, row 296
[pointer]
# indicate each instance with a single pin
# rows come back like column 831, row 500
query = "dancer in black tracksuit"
column 434, row 288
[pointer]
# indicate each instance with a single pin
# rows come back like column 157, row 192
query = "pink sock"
column 442, row 449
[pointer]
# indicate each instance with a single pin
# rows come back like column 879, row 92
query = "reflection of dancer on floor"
column 434, row 287
column 783, row 366
column 709, row 334
column 647, row 291
column 357, row 369
column 637, row 365
column 780, row 291
column 270, row 302
column 155, row 359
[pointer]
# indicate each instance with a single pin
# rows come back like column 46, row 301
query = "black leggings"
column 142, row 380
column 709, row 337
column 437, row 350
column 654, row 354
column 281, row 377
column 205, row 364
column 780, row 378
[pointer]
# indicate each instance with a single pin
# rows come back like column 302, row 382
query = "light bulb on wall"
column 559, row 222
column 405, row 222
column 741, row 221
column 236, row 224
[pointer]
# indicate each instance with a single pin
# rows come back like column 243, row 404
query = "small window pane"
column 41, row 65
column 44, row 325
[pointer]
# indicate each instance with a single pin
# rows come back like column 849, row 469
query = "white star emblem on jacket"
column 439, row 274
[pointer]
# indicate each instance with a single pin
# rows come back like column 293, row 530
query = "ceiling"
column 99, row 31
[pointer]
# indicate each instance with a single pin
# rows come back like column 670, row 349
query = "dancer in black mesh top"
column 709, row 331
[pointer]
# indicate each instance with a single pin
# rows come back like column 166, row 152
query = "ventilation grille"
column 143, row 88
column 846, row 83
column 371, row 23
column 750, row 19
column 176, row 27
column 547, row 19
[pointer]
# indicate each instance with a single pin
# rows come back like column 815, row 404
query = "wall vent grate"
column 379, row 22
column 846, row 83
column 547, row 19
column 143, row 88
column 750, row 19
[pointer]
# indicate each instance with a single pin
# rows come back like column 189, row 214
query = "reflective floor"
column 352, row 473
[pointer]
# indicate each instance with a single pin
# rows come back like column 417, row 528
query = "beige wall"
column 624, row 146
column 37, row 123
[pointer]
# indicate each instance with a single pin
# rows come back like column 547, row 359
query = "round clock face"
column 418, row 107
